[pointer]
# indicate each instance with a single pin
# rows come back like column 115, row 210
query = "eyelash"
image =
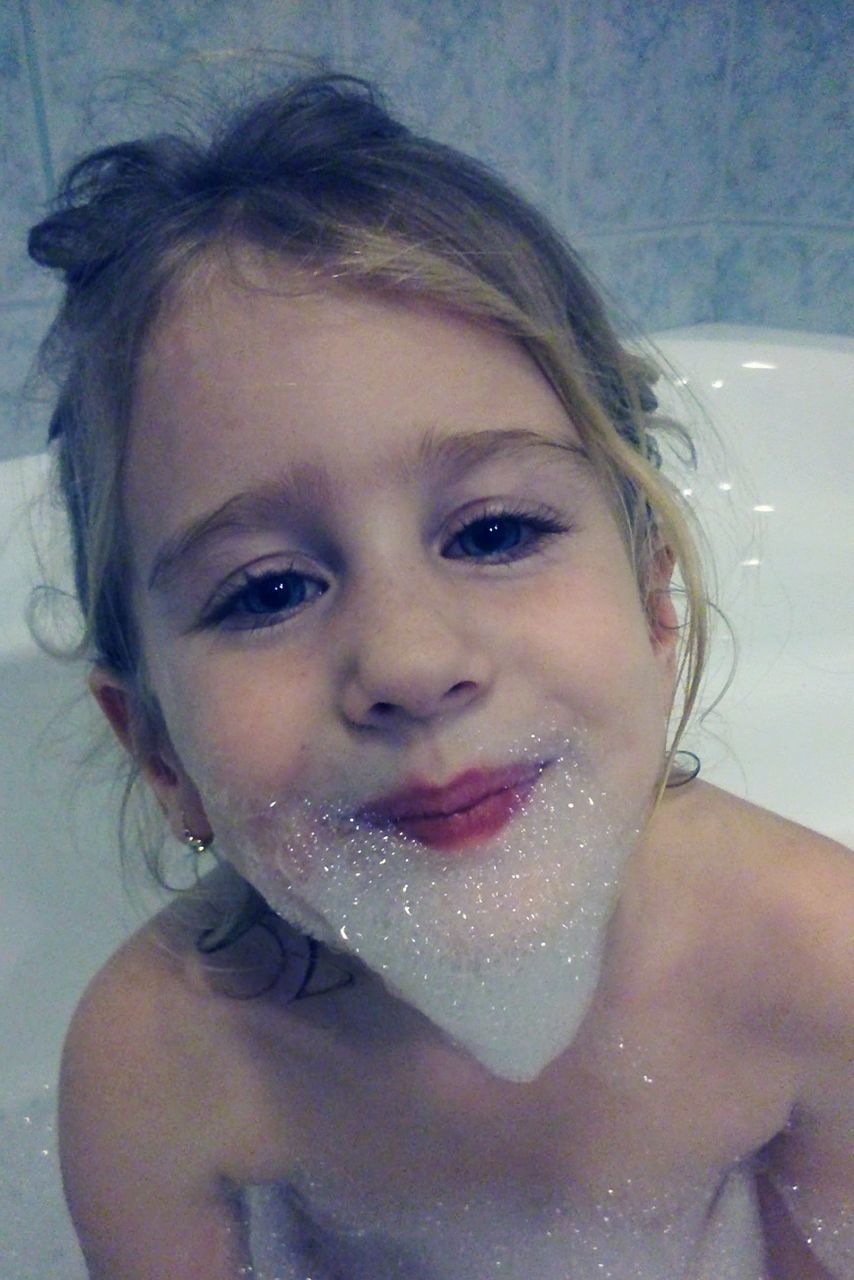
column 228, row 607
column 537, row 527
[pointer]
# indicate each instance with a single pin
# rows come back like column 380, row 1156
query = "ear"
column 172, row 786
column 664, row 626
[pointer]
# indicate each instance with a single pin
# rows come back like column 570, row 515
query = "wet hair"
column 322, row 175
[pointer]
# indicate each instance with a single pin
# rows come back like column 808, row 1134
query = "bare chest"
column 633, row 1151
column 645, row 1095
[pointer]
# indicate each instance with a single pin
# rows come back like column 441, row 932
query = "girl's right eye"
column 262, row 599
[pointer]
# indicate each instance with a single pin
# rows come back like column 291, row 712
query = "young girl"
column 375, row 558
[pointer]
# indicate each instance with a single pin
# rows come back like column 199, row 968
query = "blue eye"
column 502, row 536
column 264, row 600
column 493, row 535
column 274, row 593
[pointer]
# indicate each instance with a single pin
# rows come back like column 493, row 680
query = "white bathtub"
column 782, row 736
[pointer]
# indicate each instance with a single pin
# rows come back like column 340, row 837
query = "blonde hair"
column 321, row 174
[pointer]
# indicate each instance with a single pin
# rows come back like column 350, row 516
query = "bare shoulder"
column 777, row 900
column 789, row 951
column 142, row 1028
column 160, row 1111
column 157, row 1033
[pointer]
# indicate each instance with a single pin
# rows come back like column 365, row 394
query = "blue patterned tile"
column 480, row 77
column 599, row 110
column 609, row 114
column 121, row 68
column 519, row 109
column 791, row 279
column 655, row 280
column 24, row 188
column 420, row 56
column 24, row 412
column 789, row 153
column 643, row 87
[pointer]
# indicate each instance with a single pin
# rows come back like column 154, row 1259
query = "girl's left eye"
column 502, row 536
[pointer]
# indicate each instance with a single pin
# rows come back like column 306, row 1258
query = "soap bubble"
column 499, row 944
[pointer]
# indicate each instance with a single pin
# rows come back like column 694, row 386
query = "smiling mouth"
column 471, row 809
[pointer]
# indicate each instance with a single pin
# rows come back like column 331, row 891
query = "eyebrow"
column 306, row 485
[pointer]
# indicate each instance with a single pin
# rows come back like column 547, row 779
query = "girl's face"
column 374, row 572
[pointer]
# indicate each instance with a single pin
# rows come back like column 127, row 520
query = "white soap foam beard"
column 499, row 946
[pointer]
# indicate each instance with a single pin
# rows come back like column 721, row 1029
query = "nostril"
column 382, row 711
column 464, row 686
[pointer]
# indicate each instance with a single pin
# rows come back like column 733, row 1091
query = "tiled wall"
column 694, row 149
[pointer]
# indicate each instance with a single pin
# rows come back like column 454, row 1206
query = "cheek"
column 597, row 647
column 240, row 725
column 598, row 660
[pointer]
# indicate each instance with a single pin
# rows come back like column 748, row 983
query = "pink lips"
column 470, row 809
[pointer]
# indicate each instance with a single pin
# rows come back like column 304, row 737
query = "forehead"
column 268, row 332
column 244, row 375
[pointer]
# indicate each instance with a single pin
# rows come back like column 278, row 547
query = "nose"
column 412, row 657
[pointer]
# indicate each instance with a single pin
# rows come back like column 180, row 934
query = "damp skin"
column 320, row 1223
column 365, row 436
column 500, row 944
column 275, row 733
column 830, row 1235
column 713, row 1237
column 412, row 655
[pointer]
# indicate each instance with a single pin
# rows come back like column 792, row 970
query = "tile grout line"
column 37, row 96
column 685, row 227
column 346, row 42
column 725, row 112
column 724, row 122
column 560, row 122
